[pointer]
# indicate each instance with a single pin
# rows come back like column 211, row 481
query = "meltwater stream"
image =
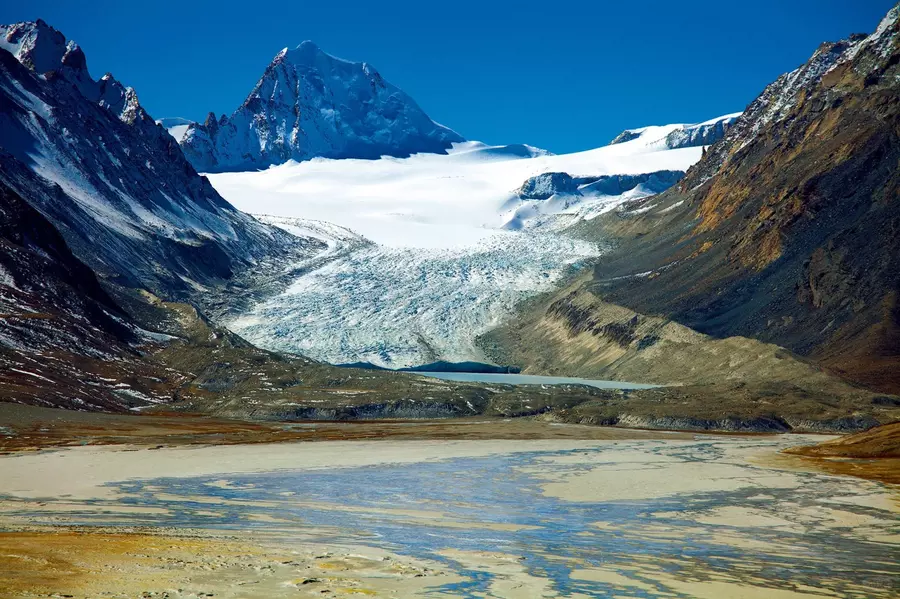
column 633, row 518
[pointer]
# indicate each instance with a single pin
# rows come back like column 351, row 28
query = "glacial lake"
column 531, row 379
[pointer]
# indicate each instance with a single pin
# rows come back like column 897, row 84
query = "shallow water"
column 580, row 521
column 530, row 379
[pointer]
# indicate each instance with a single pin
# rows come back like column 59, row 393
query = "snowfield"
column 444, row 246
column 431, row 200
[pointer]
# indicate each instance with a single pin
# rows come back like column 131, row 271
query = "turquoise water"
column 383, row 506
column 530, row 379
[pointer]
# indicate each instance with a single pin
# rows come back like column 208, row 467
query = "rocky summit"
column 308, row 103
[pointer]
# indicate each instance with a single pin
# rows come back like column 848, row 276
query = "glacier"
column 398, row 307
column 422, row 257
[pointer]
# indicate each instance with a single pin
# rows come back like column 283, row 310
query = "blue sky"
column 558, row 74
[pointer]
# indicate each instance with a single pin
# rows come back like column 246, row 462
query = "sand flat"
column 705, row 516
column 89, row 565
column 83, row 472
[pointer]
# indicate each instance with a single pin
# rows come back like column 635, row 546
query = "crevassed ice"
column 399, row 307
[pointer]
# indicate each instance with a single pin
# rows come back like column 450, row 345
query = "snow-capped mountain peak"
column 307, row 51
column 309, row 104
column 44, row 50
column 40, row 47
column 881, row 40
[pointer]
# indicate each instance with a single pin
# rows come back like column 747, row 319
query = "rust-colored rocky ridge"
column 787, row 231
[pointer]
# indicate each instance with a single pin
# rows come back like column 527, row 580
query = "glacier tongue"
column 399, row 307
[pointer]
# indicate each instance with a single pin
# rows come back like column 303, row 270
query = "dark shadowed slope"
column 63, row 341
column 113, row 182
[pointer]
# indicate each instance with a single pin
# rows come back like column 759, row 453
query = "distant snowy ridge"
column 554, row 201
column 680, row 136
column 308, row 104
column 176, row 126
column 471, row 149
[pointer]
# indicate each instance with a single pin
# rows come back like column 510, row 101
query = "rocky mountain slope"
column 309, row 103
column 785, row 232
column 39, row 275
column 87, row 156
column 63, row 340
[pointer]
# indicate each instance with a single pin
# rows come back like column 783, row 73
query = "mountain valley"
column 474, row 253
column 324, row 346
